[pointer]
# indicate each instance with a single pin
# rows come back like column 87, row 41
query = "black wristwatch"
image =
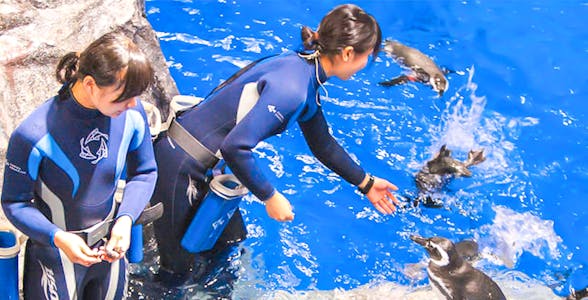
column 368, row 185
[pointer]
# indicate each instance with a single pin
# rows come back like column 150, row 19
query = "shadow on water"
column 210, row 281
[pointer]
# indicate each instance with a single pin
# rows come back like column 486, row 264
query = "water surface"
column 518, row 92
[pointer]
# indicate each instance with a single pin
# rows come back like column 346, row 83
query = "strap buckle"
column 95, row 233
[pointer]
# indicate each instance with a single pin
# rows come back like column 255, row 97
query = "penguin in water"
column 453, row 276
column 578, row 295
column 422, row 68
column 437, row 172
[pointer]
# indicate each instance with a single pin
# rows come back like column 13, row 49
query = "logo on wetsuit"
column 94, row 146
column 191, row 191
column 276, row 113
column 48, row 283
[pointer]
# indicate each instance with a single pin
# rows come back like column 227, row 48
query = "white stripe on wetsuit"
column 113, row 282
column 248, row 99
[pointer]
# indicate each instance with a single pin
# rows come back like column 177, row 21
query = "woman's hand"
column 381, row 197
column 279, row 208
column 76, row 249
column 119, row 242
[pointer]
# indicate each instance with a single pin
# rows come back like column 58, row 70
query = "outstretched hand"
column 381, row 197
column 279, row 208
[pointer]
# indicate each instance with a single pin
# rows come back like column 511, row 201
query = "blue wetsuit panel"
column 79, row 155
column 287, row 88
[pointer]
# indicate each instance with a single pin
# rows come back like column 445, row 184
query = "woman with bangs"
column 63, row 165
column 259, row 101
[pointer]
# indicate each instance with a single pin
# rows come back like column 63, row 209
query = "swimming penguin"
column 454, row 277
column 578, row 295
column 440, row 169
column 422, row 68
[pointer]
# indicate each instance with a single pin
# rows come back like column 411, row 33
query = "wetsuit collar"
column 71, row 104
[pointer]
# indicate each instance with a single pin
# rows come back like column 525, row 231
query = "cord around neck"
column 315, row 56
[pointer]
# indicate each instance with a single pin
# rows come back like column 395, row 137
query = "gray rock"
column 35, row 34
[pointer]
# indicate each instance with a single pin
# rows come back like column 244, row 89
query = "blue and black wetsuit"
column 287, row 86
column 63, row 165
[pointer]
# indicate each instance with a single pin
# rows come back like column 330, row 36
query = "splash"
column 461, row 122
column 511, row 233
column 266, row 151
column 466, row 125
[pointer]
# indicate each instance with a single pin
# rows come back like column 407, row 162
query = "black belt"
column 191, row 145
column 97, row 232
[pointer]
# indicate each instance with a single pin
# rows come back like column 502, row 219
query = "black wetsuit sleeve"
column 326, row 149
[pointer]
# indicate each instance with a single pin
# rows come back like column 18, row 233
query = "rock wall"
column 35, row 34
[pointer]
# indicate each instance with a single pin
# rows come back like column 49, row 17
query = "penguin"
column 578, row 294
column 422, row 68
column 454, row 277
column 439, row 170
column 468, row 250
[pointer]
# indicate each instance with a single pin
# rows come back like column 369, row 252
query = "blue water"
column 518, row 92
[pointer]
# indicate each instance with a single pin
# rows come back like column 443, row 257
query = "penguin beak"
column 419, row 240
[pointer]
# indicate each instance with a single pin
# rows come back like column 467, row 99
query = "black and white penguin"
column 422, row 68
column 454, row 277
column 578, row 295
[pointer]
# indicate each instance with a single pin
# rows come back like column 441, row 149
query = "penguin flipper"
column 402, row 79
column 430, row 202
column 406, row 202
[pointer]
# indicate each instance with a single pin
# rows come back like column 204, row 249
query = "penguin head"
column 441, row 250
column 444, row 164
column 439, row 83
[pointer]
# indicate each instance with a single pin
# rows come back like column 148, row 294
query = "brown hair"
column 103, row 59
column 345, row 25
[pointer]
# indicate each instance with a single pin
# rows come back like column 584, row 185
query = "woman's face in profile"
column 349, row 62
column 104, row 98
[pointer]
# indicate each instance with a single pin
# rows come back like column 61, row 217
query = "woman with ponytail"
column 260, row 101
column 63, row 165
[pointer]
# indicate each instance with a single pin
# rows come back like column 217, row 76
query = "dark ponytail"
column 310, row 39
column 104, row 59
column 345, row 25
column 67, row 67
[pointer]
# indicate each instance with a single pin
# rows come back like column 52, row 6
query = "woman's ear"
column 347, row 53
column 89, row 84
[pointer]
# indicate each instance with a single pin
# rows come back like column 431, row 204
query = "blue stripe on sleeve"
column 47, row 147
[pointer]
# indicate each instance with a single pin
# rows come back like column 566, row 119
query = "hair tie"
column 310, row 56
column 317, row 47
